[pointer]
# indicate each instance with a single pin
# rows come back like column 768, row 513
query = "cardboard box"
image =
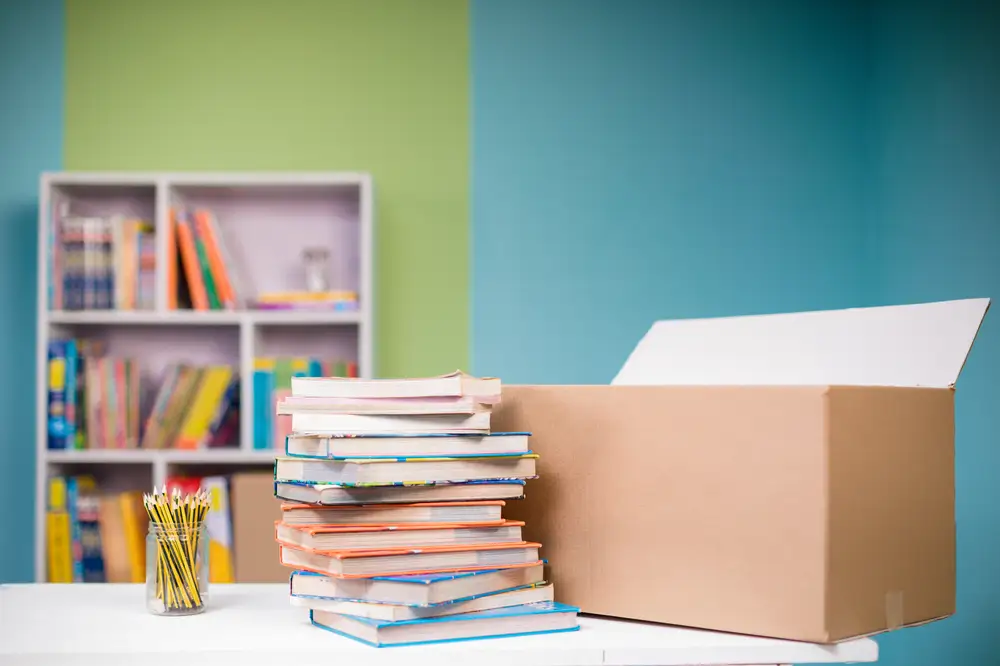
column 255, row 510
column 791, row 476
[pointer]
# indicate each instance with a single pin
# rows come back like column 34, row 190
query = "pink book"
column 282, row 422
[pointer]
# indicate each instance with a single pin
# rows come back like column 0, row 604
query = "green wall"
column 352, row 85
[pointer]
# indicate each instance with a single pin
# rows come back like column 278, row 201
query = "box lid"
column 903, row 345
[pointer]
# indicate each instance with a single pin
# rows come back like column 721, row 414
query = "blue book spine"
column 315, row 368
column 72, row 380
column 57, row 394
column 263, row 419
column 72, row 497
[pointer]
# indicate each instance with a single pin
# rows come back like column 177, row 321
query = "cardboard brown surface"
column 255, row 510
column 771, row 510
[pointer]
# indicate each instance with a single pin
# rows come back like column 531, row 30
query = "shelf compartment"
column 266, row 227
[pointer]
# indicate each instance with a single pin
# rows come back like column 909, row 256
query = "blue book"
column 415, row 591
column 263, row 419
column 544, row 617
column 56, row 408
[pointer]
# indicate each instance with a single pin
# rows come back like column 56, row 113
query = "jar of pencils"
column 176, row 554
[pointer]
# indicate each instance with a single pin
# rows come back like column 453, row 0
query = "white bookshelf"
column 266, row 220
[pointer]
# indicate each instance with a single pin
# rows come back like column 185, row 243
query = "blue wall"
column 638, row 160
column 936, row 121
column 31, row 87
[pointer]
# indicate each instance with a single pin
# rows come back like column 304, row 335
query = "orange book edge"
column 389, row 527
column 291, row 506
column 215, row 262
column 388, row 552
column 171, row 262
column 189, row 260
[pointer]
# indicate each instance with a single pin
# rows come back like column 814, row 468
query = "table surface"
column 249, row 624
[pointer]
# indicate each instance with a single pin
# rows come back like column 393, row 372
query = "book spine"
column 212, row 260
column 263, row 388
column 59, row 536
column 57, row 427
column 72, row 366
column 192, row 268
column 77, row 546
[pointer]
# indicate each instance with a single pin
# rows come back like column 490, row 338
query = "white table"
column 245, row 625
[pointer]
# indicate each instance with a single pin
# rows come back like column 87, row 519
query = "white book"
column 321, row 423
column 456, row 384
column 419, row 590
column 419, row 470
column 401, row 406
column 327, row 494
column 396, row 613
column 395, row 446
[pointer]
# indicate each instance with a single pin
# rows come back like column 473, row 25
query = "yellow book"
column 199, row 415
column 220, row 530
column 135, row 523
column 59, row 547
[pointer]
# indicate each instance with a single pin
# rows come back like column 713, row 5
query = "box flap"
column 904, row 345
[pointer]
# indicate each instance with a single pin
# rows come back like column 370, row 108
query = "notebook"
column 382, row 537
column 406, row 446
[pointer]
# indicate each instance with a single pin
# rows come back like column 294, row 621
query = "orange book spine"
column 192, row 269
column 215, row 262
column 171, row 262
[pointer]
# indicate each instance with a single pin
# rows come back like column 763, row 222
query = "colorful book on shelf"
column 272, row 383
column 100, row 263
column 544, row 617
column 201, row 272
column 194, row 408
column 94, row 536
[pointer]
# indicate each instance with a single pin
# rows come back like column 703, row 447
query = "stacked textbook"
column 393, row 513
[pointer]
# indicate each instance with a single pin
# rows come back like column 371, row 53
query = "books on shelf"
column 397, row 534
column 94, row 537
column 200, row 270
column 272, row 383
column 94, row 401
column 101, row 262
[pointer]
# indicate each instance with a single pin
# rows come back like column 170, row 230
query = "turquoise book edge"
column 539, row 608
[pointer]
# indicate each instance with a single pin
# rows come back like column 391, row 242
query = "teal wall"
column 31, row 90
column 936, row 121
column 640, row 160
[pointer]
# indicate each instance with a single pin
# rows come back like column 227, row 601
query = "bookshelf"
column 265, row 221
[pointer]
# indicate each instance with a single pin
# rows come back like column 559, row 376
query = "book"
column 415, row 591
column 331, row 494
column 363, row 471
column 383, row 406
column 383, row 537
column 456, row 384
column 406, row 446
column 537, row 618
column 436, row 559
column 321, row 423
column 455, row 513
column 527, row 594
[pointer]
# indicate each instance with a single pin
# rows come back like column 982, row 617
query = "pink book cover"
column 282, row 422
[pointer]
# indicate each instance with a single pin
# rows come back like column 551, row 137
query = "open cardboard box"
column 787, row 475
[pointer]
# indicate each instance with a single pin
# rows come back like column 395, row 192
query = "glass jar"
column 176, row 569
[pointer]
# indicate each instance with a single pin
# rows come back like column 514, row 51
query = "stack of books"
column 394, row 493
